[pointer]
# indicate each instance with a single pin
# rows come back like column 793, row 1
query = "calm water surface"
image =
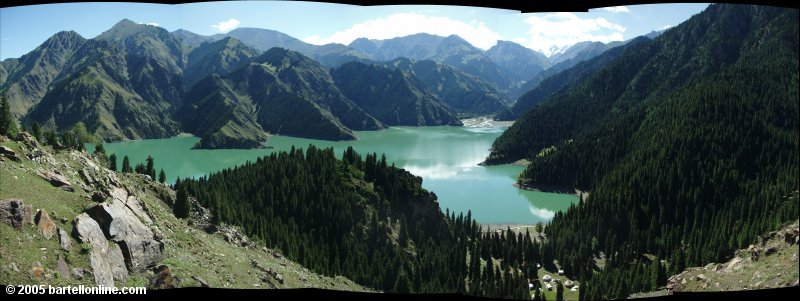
column 445, row 157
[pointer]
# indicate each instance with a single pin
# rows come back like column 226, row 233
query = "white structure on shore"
column 547, row 278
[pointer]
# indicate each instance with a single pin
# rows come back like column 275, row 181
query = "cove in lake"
column 445, row 157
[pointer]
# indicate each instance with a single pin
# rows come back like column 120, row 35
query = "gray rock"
column 87, row 177
column 120, row 224
column 11, row 213
column 58, row 180
column 136, row 205
column 78, row 273
column 63, row 268
column 9, row 153
column 14, row 267
column 46, row 225
column 770, row 251
column 87, row 230
column 64, row 240
column 27, row 214
column 203, row 282
column 141, row 254
column 117, row 263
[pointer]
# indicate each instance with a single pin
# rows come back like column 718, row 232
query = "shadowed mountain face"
column 392, row 96
column 463, row 93
column 281, row 92
column 557, row 78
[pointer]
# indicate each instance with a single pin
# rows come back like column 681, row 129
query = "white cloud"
column 553, row 31
column 403, row 24
column 226, row 25
column 665, row 27
column 616, row 9
column 152, row 24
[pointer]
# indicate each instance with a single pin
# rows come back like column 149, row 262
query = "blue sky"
column 23, row 28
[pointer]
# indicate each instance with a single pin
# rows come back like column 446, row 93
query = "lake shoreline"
column 503, row 227
column 582, row 195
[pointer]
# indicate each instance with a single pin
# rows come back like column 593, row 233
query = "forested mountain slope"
column 688, row 146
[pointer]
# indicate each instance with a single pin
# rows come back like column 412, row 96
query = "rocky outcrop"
column 768, row 263
column 87, row 230
column 63, row 240
column 120, row 223
column 63, row 268
column 234, row 236
column 28, row 140
column 27, row 214
column 45, row 225
column 11, row 213
column 117, row 262
column 58, row 180
column 9, row 153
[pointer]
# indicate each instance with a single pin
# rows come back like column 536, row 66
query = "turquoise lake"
column 445, row 157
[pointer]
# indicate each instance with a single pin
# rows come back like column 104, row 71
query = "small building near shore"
column 547, row 278
column 549, row 287
column 561, row 272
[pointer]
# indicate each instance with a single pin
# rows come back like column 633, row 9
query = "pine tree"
column 403, row 231
column 51, row 138
column 162, row 177
column 126, row 165
column 100, row 151
column 181, row 207
column 112, row 162
column 36, row 130
column 402, row 285
column 559, row 292
column 8, row 126
column 140, row 169
column 150, row 170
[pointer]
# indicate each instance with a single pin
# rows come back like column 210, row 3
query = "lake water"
column 445, row 157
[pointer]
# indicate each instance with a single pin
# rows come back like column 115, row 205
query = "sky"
column 23, row 28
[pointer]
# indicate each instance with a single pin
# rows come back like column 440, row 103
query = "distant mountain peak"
column 125, row 21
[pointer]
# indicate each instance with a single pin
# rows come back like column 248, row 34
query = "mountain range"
column 137, row 81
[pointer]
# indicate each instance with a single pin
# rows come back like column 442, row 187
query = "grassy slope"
column 188, row 251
